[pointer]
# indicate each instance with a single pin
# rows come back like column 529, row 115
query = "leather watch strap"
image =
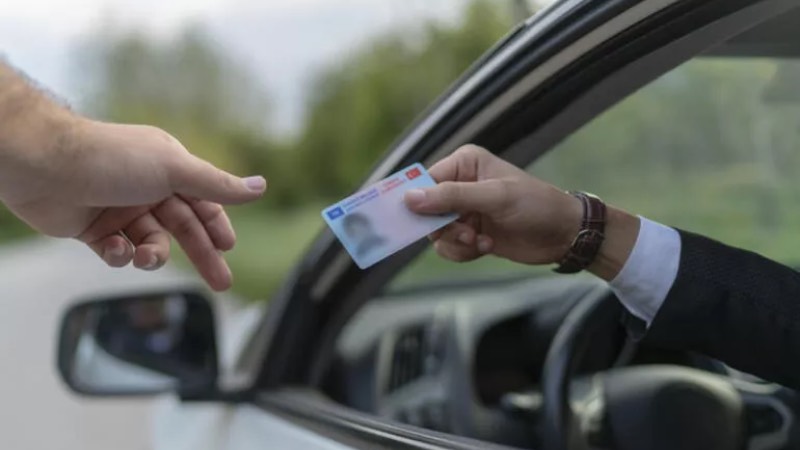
column 587, row 243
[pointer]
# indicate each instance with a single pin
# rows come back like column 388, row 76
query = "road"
column 37, row 279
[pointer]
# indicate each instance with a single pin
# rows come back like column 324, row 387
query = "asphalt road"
column 37, row 280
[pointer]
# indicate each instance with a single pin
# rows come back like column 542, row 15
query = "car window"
column 711, row 147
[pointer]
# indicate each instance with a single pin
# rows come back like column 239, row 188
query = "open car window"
column 709, row 147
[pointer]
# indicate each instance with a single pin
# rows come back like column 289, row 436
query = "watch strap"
column 587, row 242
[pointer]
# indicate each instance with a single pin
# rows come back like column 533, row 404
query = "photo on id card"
column 375, row 223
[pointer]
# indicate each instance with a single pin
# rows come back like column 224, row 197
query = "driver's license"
column 374, row 223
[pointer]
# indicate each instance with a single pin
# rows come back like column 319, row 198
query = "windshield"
column 710, row 147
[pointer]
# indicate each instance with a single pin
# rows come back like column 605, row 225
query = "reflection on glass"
column 145, row 343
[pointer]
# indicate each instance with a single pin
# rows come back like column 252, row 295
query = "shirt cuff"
column 646, row 278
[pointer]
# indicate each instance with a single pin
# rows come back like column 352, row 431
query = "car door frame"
column 551, row 75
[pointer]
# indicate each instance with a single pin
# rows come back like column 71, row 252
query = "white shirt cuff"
column 651, row 269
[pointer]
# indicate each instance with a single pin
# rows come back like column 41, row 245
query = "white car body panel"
column 185, row 426
column 216, row 426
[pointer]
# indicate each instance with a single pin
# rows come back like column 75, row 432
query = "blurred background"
column 309, row 93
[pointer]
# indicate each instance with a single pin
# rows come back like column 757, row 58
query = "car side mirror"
column 139, row 344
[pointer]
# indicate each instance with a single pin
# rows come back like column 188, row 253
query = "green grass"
column 268, row 244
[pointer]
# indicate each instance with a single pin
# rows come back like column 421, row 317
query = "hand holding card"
column 375, row 223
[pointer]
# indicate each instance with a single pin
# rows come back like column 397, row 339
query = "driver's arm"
column 681, row 290
column 734, row 305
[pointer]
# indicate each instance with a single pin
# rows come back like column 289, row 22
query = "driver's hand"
column 504, row 211
column 123, row 190
column 508, row 213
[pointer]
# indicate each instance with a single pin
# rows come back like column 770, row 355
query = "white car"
column 344, row 358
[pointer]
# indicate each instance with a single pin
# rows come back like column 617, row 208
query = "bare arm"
column 121, row 189
column 32, row 125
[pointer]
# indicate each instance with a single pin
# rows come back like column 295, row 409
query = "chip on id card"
column 375, row 223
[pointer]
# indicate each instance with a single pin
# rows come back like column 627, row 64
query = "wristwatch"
column 587, row 243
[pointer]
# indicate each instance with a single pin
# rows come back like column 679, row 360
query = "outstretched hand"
column 124, row 190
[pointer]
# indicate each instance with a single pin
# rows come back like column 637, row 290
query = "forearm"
column 34, row 129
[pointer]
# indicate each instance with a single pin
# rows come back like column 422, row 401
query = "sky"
column 281, row 41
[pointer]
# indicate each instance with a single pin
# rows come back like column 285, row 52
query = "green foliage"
column 357, row 106
column 710, row 147
column 194, row 90
column 188, row 86
column 706, row 147
column 361, row 104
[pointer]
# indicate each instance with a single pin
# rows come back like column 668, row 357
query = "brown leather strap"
column 587, row 243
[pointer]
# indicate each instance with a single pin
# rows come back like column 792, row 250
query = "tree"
column 360, row 105
column 188, row 86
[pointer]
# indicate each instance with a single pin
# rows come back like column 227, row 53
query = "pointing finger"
column 191, row 176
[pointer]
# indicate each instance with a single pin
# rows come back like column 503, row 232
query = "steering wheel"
column 636, row 408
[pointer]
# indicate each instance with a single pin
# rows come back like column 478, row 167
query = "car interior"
column 462, row 349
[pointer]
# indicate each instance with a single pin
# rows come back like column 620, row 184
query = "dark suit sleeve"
column 735, row 306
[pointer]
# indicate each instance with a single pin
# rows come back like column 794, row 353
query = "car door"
column 551, row 75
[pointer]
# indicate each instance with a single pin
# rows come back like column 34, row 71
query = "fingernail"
column 464, row 238
column 415, row 196
column 152, row 263
column 255, row 183
column 114, row 255
column 116, row 250
column 223, row 279
column 484, row 244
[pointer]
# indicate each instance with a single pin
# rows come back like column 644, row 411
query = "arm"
column 736, row 306
column 120, row 189
column 508, row 213
column 31, row 126
column 694, row 293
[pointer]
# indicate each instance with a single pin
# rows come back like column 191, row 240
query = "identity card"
column 375, row 223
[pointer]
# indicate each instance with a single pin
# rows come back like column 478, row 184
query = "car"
column 680, row 109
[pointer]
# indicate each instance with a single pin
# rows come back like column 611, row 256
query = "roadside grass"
column 268, row 244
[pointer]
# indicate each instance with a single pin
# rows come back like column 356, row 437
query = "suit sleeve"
column 735, row 306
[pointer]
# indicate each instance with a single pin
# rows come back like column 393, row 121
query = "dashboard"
column 449, row 358
column 467, row 359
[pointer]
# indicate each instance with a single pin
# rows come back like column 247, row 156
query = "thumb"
column 455, row 196
column 197, row 178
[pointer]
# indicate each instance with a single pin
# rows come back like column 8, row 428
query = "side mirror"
column 139, row 344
